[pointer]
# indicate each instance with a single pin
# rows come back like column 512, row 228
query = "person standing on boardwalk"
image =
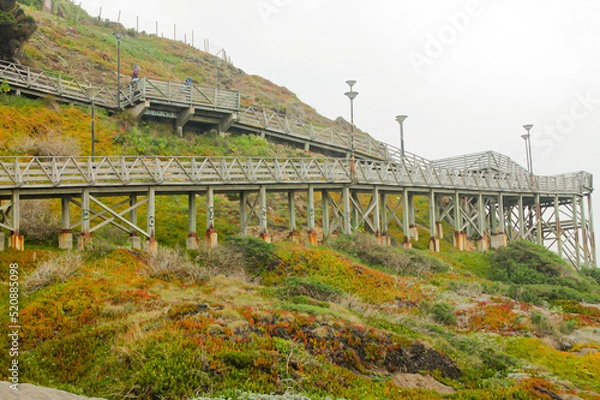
column 135, row 75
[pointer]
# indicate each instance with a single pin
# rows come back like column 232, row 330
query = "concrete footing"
column 16, row 242
column 407, row 243
column 460, row 240
column 65, row 240
column 312, row 238
column 83, row 241
column 498, row 240
column 152, row 246
column 383, row 239
column 293, row 237
column 414, row 232
column 434, row 244
column 483, row 244
column 192, row 242
column 211, row 238
column 386, row 239
column 265, row 236
column 136, row 242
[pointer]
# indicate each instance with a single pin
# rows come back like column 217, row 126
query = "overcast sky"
column 468, row 73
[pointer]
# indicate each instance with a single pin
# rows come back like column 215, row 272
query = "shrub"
column 221, row 260
column 171, row 264
column 443, row 313
column 53, row 270
column 540, row 322
column 50, row 144
column 297, row 286
column 593, row 273
column 259, row 255
column 540, row 273
column 38, row 222
column 400, row 261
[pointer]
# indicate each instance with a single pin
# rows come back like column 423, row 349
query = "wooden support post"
column 584, row 233
column 85, row 237
column 243, row 213
column 412, row 224
column 521, row 217
column 210, row 236
column 592, row 237
column 325, row 204
column 134, row 239
column 376, row 215
column 385, row 236
column 310, row 218
column 482, row 243
column 151, row 221
column 347, row 210
column 191, row 242
column 499, row 238
column 292, row 235
column 576, row 227
column 459, row 237
column 558, row 228
column 16, row 240
column 406, row 218
column 262, row 216
column 434, row 242
column 65, row 238
column 355, row 207
column 538, row 216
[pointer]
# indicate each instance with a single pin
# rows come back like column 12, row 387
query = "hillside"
column 348, row 319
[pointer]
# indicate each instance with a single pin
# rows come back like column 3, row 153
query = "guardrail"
column 183, row 94
column 489, row 160
column 53, row 172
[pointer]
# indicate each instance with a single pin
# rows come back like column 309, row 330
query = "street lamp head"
column 118, row 35
column 528, row 127
column 351, row 94
column 351, row 83
column 525, row 136
column 91, row 91
column 401, row 118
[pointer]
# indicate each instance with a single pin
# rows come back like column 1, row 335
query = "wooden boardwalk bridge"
column 485, row 197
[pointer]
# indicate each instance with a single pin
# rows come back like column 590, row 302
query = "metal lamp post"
column 92, row 92
column 352, row 95
column 118, row 36
column 527, row 138
column 400, row 119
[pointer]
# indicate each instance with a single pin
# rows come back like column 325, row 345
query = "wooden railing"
column 61, row 172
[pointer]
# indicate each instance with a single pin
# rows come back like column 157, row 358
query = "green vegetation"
column 15, row 28
column 254, row 320
column 537, row 274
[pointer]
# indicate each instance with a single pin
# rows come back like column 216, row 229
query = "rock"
column 418, row 381
column 31, row 392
